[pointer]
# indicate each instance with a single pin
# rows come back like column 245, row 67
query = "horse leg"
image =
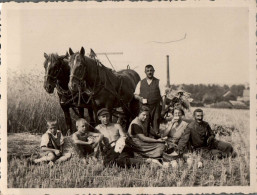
column 66, row 111
column 110, row 113
column 91, row 117
column 131, row 111
column 134, row 107
column 93, row 108
column 128, row 118
column 81, row 112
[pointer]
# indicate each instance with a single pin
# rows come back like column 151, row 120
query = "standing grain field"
column 29, row 104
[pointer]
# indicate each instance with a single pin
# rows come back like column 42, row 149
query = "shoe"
column 51, row 164
column 173, row 154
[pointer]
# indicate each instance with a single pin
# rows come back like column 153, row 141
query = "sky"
column 215, row 50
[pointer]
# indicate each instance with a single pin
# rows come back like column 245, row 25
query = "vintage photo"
column 131, row 96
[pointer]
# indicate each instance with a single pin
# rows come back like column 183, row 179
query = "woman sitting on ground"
column 174, row 130
column 139, row 141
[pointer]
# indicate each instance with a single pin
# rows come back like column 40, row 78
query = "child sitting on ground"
column 52, row 145
column 86, row 142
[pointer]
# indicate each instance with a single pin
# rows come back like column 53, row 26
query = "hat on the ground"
column 102, row 112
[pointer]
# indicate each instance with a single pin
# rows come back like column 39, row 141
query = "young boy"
column 52, row 145
column 85, row 142
column 111, row 131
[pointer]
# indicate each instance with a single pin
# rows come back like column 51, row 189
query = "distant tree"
column 211, row 93
column 208, row 98
column 237, row 90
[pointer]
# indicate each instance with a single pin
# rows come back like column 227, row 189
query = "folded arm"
column 143, row 138
column 77, row 141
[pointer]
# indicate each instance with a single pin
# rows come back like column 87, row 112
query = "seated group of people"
column 176, row 140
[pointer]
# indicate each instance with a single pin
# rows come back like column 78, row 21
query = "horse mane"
column 65, row 64
column 53, row 56
column 101, row 66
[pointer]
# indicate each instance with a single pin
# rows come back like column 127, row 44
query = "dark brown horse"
column 105, row 87
column 57, row 73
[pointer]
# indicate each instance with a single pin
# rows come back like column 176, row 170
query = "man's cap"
column 180, row 89
column 102, row 112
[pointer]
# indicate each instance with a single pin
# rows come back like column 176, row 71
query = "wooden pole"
column 168, row 72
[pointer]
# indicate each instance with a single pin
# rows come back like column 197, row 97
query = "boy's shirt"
column 52, row 141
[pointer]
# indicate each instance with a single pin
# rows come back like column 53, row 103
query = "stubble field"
column 29, row 104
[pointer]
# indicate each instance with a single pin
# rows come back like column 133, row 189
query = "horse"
column 57, row 72
column 105, row 87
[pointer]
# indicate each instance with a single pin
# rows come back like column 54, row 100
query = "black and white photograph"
column 139, row 97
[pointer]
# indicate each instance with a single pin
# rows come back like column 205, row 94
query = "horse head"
column 78, row 69
column 52, row 65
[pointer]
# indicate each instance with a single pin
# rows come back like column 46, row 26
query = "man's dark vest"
column 150, row 92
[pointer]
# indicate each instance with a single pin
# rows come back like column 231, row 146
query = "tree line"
column 212, row 93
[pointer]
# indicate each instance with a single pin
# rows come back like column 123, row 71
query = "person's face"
column 143, row 116
column 105, row 119
column 177, row 114
column 199, row 117
column 82, row 127
column 52, row 128
column 149, row 72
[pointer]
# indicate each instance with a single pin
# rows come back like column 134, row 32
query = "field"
column 28, row 105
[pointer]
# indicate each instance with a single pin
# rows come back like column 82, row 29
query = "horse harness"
column 97, row 88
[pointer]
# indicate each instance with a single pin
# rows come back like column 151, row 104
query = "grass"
column 28, row 105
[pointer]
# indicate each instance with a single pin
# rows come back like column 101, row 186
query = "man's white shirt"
column 149, row 81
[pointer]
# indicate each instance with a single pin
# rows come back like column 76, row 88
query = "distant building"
column 229, row 96
column 245, row 97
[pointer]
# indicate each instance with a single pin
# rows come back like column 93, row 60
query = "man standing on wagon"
column 149, row 93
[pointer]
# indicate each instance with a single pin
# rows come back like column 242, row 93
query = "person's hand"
column 57, row 152
column 143, row 100
column 174, row 119
column 161, row 140
column 164, row 138
column 90, row 141
column 210, row 139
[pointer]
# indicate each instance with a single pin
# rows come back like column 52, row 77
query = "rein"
column 97, row 88
column 62, row 91
column 89, row 91
column 54, row 78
